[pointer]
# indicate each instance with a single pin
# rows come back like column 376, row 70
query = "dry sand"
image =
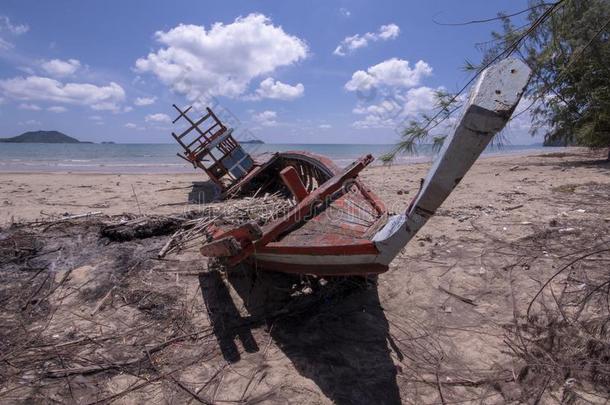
column 507, row 228
column 30, row 196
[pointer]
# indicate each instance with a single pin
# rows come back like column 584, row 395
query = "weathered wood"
column 492, row 101
column 301, row 210
column 292, row 180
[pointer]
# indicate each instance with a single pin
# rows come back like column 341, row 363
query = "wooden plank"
column 292, row 180
column 492, row 101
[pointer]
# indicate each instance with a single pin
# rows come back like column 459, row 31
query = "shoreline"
column 31, row 196
column 153, row 169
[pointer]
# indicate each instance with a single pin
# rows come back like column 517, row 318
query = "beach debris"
column 215, row 216
column 68, row 217
column 142, row 227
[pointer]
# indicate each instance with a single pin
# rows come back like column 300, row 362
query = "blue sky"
column 283, row 71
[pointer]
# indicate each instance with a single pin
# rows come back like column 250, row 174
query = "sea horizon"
column 161, row 157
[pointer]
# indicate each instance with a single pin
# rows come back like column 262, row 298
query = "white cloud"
column 131, row 125
column 277, row 90
column 390, row 93
column 265, row 118
column 31, row 107
column 392, row 72
column 12, row 29
column 142, row 101
column 223, row 60
column 325, row 126
column 396, row 107
column 57, row 109
column 60, row 68
column 389, row 31
column 350, row 44
column 32, row 88
column 345, row 12
column 159, row 117
column 95, row 118
column 15, row 29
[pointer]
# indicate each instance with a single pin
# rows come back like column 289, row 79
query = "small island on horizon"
column 42, row 137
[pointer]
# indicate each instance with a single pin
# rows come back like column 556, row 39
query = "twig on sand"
column 167, row 245
column 459, row 297
column 69, row 218
column 440, row 389
column 102, row 301
column 561, row 270
column 136, row 196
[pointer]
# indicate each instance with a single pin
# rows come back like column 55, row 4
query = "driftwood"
column 141, row 228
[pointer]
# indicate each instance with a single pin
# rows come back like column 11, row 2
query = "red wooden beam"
column 291, row 179
column 272, row 230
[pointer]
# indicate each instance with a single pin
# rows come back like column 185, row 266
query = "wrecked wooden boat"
column 337, row 225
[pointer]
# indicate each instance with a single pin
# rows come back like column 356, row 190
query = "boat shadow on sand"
column 335, row 334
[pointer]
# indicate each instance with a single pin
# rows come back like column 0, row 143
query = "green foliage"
column 569, row 53
column 567, row 45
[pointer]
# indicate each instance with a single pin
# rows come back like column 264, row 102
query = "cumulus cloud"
column 36, row 88
column 325, row 126
column 392, row 72
column 31, row 107
column 131, row 125
column 60, row 68
column 158, row 118
column 390, row 93
column 265, row 118
column 396, row 107
column 350, row 44
column 143, row 101
column 222, row 60
column 277, row 90
column 57, row 109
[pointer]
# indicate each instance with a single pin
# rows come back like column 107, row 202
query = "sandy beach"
column 499, row 181
column 440, row 319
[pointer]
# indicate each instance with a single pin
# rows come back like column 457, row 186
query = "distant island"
column 107, row 143
column 42, row 137
column 252, row 141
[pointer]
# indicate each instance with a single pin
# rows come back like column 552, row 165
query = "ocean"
column 161, row 158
